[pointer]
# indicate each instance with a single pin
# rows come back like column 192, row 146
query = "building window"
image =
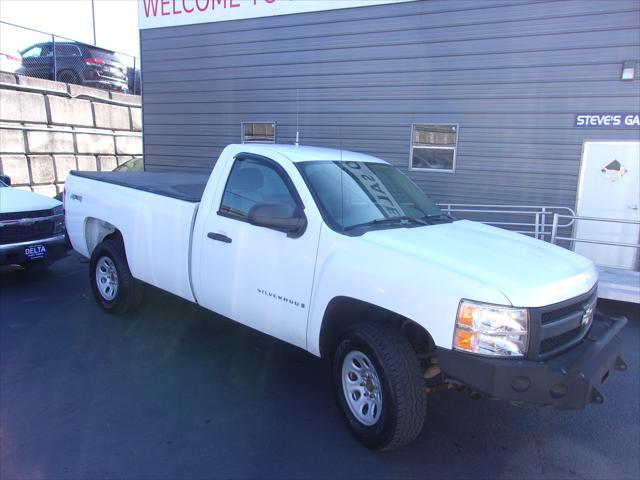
column 433, row 147
column 258, row 132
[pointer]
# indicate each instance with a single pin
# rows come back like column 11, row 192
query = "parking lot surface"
column 177, row 392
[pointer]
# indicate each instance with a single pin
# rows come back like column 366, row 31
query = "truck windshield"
column 360, row 196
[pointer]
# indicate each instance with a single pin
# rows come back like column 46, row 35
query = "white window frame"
column 434, row 147
column 275, row 132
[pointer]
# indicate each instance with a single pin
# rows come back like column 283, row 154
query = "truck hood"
column 529, row 272
column 15, row 200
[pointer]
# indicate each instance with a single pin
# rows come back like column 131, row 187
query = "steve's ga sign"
column 169, row 13
column 608, row 120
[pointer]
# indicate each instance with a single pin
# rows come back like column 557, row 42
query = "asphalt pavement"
column 175, row 392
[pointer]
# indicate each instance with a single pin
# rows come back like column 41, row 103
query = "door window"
column 252, row 182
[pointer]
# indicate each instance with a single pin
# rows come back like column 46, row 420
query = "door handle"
column 219, row 237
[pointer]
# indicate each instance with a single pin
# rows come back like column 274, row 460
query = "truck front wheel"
column 113, row 286
column 379, row 386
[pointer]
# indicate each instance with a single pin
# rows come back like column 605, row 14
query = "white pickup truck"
column 340, row 254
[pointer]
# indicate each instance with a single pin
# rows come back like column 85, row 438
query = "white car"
column 31, row 228
column 340, row 254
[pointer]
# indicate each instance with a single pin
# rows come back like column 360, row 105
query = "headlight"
column 58, row 226
column 491, row 329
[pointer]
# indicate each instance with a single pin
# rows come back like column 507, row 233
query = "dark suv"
column 75, row 63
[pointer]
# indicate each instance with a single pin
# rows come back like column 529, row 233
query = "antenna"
column 297, row 116
column 340, row 136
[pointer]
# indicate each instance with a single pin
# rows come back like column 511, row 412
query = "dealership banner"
column 169, row 13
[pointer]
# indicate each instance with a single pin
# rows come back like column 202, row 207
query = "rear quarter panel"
column 156, row 230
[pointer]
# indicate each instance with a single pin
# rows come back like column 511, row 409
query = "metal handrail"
column 555, row 226
column 539, row 228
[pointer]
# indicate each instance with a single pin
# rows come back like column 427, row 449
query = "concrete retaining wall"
column 48, row 128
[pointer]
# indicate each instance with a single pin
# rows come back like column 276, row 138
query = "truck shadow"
column 276, row 402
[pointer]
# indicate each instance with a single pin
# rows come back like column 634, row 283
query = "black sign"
column 608, row 120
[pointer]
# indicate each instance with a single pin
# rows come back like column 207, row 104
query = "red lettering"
column 150, row 5
column 176, row 12
column 164, row 2
column 202, row 9
column 232, row 4
column 184, row 7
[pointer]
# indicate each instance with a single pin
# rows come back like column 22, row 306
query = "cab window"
column 252, row 182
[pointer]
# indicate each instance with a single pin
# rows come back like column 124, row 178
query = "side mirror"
column 278, row 217
column 5, row 179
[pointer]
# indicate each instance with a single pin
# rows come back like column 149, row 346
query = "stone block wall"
column 49, row 128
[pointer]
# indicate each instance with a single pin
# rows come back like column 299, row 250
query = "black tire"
column 404, row 401
column 68, row 76
column 129, row 291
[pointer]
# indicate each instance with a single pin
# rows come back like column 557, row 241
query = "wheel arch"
column 342, row 312
column 96, row 231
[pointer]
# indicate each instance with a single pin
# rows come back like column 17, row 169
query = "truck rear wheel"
column 379, row 386
column 113, row 286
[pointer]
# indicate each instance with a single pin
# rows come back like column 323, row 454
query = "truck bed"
column 188, row 187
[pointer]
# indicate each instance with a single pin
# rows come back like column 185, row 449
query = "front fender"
column 425, row 293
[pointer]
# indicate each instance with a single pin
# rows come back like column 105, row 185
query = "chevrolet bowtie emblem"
column 587, row 316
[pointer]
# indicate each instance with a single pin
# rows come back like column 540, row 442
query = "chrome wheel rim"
column 361, row 388
column 107, row 278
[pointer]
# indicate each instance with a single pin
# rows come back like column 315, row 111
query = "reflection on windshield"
column 362, row 193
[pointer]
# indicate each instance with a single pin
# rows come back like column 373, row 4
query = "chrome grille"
column 18, row 227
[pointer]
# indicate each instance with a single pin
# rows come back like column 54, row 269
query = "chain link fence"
column 33, row 53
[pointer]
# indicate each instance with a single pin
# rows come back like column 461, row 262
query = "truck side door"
column 255, row 275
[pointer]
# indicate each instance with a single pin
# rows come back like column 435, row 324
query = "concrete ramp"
column 618, row 284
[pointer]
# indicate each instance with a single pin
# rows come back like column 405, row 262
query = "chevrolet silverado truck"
column 31, row 228
column 340, row 254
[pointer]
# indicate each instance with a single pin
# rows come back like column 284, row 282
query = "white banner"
column 169, row 13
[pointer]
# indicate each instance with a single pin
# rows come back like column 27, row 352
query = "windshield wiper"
column 402, row 220
column 438, row 215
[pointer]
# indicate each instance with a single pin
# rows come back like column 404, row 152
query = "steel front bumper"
column 13, row 253
column 567, row 381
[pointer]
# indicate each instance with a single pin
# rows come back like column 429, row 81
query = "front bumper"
column 567, row 381
column 14, row 254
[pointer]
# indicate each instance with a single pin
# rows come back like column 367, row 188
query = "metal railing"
column 533, row 220
column 573, row 239
column 549, row 223
column 34, row 53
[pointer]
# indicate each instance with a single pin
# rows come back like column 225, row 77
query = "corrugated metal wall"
column 512, row 74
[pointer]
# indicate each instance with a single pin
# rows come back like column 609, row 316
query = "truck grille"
column 553, row 343
column 26, row 226
column 556, row 328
